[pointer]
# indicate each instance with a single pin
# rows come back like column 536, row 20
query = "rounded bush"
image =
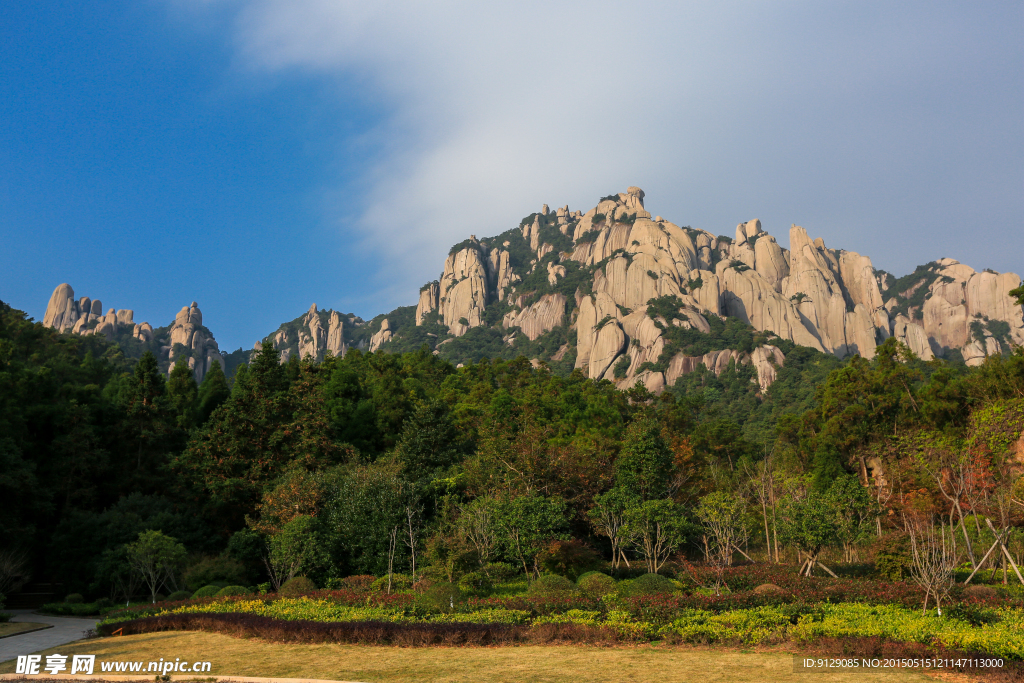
column 206, row 592
column 476, row 583
column 500, row 571
column 104, row 603
column 399, row 582
column 596, row 584
column 299, row 585
column 229, row 591
column 980, row 591
column 648, row 584
column 360, row 582
column 179, row 595
column 74, row 599
column 769, row 589
column 892, row 557
column 548, row 584
column 569, row 558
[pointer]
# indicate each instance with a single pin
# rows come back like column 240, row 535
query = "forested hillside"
column 378, row 461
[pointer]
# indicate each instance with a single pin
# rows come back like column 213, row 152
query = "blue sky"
column 260, row 156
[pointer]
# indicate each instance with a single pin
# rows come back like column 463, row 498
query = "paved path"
column 65, row 630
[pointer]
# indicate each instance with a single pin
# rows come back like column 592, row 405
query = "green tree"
column 644, row 468
column 429, row 444
column 856, row 510
column 826, row 467
column 812, row 525
column 143, row 405
column 528, row 523
column 265, row 427
column 296, row 548
column 156, row 558
column 608, row 517
column 1018, row 295
column 364, row 506
column 655, row 528
column 212, row 392
column 721, row 513
column 183, row 394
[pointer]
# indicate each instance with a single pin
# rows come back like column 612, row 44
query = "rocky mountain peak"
column 186, row 335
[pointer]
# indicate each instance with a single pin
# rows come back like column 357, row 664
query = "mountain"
column 620, row 294
column 186, row 335
column 624, row 296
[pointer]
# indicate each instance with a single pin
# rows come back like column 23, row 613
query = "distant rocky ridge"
column 186, row 335
column 572, row 289
column 831, row 300
column 317, row 333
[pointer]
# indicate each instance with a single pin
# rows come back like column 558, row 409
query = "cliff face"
column 185, row 336
column 620, row 258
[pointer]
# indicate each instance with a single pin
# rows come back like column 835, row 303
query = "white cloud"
column 862, row 121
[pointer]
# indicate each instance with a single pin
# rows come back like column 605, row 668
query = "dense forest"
column 384, row 462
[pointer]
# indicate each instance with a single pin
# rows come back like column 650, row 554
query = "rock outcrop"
column 189, row 337
column 826, row 299
column 185, row 336
column 463, row 290
column 382, row 336
column 315, row 334
column 538, row 318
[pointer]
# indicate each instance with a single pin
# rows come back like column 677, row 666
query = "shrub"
column 206, row 592
column 596, row 584
column 74, row 599
column 6, row 616
column 551, row 584
column 500, row 571
column 769, row 589
column 104, row 604
column 360, row 582
column 297, row 586
column 399, row 582
column 569, row 558
column 229, row 591
column 179, row 595
column 892, row 557
column 980, row 591
column 648, row 584
column 475, row 583
column 440, row 598
column 209, row 570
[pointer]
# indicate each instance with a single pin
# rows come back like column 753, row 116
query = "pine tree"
column 183, row 394
column 212, row 392
column 143, row 408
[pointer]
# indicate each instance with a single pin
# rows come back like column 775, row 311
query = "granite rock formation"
column 186, row 335
column 827, row 299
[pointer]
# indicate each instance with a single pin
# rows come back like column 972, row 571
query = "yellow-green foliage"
column 1004, row 638
column 314, row 609
column 767, row 624
column 751, row 626
column 997, row 425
